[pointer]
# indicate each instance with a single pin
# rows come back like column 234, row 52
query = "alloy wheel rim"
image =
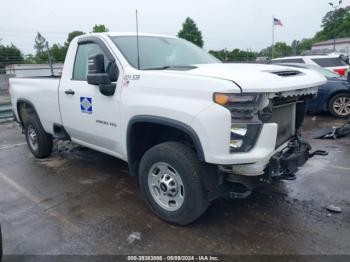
column 32, row 138
column 166, row 186
column 342, row 106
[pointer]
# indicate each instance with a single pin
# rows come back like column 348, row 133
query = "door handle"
column 69, row 92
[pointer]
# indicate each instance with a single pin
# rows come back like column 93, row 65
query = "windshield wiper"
column 183, row 67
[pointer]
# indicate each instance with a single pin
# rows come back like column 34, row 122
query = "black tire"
column 44, row 140
column 334, row 100
column 185, row 162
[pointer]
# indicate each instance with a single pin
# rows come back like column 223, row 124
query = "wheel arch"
column 148, row 124
column 340, row 91
column 29, row 107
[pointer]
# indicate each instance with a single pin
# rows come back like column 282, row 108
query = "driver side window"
column 80, row 69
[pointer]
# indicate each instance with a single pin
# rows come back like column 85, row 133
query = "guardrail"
column 5, row 111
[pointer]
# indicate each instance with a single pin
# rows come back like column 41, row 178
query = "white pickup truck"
column 190, row 127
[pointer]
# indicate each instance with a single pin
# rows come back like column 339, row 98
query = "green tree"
column 29, row 59
column 335, row 24
column 99, row 29
column 219, row 54
column 280, row 49
column 299, row 47
column 344, row 27
column 58, row 52
column 41, row 58
column 10, row 54
column 236, row 55
column 71, row 35
column 191, row 33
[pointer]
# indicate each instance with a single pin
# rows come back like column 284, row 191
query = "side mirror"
column 107, row 89
column 113, row 71
column 96, row 70
column 96, row 64
column 98, row 76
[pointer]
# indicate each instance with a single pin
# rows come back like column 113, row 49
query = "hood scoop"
column 286, row 73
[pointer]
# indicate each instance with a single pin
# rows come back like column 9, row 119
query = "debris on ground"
column 334, row 209
column 66, row 146
column 336, row 132
column 134, row 236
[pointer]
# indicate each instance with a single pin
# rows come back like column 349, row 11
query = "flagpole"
column 273, row 38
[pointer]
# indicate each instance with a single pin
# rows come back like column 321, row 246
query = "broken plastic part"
column 335, row 133
column 318, row 153
column 134, row 236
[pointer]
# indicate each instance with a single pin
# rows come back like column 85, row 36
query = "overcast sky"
column 224, row 23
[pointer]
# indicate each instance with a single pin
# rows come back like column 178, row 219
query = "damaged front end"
column 291, row 151
column 284, row 164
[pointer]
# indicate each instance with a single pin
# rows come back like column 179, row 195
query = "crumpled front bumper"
column 282, row 165
column 285, row 163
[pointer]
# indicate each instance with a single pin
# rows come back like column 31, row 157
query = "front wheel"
column 39, row 142
column 339, row 105
column 169, row 177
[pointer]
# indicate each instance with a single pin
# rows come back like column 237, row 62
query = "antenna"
column 137, row 42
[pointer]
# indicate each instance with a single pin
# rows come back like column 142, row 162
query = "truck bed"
column 41, row 92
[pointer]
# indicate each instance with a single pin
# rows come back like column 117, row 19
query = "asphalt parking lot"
column 83, row 202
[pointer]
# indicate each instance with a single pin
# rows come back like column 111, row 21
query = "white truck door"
column 89, row 117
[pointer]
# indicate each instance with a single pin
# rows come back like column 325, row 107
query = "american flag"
column 277, row 22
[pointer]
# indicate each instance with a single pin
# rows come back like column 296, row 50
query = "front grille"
column 284, row 117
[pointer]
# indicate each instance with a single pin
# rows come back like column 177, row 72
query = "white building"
column 28, row 70
column 342, row 45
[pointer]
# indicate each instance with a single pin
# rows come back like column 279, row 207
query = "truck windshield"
column 161, row 52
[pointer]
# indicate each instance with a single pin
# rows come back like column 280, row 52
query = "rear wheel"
column 169, row 177
column 39, row 142
column 339, row 105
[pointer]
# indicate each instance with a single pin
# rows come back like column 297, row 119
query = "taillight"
column 340, row 71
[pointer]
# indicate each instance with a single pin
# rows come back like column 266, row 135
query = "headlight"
column 238, row 130
column 233, row 99
column 243, row 136
column 241, row 106
column 245, row 124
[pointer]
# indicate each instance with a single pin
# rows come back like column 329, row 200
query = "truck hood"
column 261, row 78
